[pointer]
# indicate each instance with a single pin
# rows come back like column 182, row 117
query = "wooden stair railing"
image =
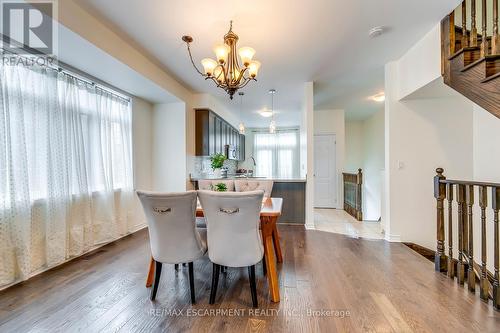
column 463, row 267
column 471, row 61
column 353, row 186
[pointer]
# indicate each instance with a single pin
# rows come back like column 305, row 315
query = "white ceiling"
column 81, row 54
column 325, row 41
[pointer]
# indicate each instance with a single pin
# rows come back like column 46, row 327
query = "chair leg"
column 215, row 282
column 191, row 282
column 157, row 280
column 264, row 267
column 176, row 267
column 253, row 285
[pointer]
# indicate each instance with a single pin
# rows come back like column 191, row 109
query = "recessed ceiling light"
column 266, row 113
column 380, row 97
column 376, row 31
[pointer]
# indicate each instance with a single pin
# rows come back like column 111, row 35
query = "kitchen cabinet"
column 213, row 134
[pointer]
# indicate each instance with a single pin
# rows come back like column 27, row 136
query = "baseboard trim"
column 310, row 227
column 393, row 238
column 95, row 248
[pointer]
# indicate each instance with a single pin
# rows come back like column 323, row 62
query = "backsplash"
column 202, row 168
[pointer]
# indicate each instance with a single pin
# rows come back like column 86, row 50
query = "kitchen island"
column 292, row 190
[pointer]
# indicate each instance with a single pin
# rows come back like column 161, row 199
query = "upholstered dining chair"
column 172, row 232
column 245, row 185
column 208, row 184
column 233, row 221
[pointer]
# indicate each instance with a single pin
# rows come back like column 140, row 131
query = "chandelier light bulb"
column 253, row 68
column 209, row 66
column 246, row 54
column 221, row 51
column 241, row 128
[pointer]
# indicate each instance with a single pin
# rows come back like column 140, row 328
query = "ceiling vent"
column 376, row 31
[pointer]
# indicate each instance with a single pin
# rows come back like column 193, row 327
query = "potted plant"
column 217, row 162
column 219, row 187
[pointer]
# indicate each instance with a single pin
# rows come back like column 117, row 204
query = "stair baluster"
column 460, row 263
column 465, row 41
column 471, row 277
column 495, row 195
column 495, row 40
column 449, row 196
column 473, row 29
column 484, row 283
column 484, row 30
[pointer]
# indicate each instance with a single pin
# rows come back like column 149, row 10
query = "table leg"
column 276, row 241
column 272, row 275
column 151, row 273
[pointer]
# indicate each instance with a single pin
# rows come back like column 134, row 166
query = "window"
column 277, row 155
column 64, row 135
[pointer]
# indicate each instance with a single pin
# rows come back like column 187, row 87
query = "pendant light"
column 272, row 125
column 241, row 127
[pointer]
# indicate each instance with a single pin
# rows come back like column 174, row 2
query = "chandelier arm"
column 246, row 82
column 241, row 74
column 192, row 61
column 222, row 71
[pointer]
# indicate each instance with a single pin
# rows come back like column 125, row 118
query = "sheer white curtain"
column 277, row 154
column 65, row 169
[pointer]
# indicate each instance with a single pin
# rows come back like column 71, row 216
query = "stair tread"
column 456, row 54
column 491, row 77
column 488, row 57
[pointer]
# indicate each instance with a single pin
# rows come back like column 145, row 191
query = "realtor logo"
column 28, row 26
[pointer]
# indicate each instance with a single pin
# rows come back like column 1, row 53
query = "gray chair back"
column 207, row 184
column 245, row 185
column 172, row 226
column 233, row 221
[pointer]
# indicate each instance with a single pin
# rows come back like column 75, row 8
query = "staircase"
column 471, row 59
column 456, row 257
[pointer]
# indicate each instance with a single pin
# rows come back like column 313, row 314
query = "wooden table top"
column 270, row 207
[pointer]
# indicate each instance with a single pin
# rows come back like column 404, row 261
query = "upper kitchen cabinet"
column 213, row 134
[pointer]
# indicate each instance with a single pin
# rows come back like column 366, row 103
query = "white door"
column 325, row 180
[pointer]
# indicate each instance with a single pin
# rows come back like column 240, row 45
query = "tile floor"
column 339, row 222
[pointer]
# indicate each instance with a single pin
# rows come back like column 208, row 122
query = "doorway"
column 325, row 178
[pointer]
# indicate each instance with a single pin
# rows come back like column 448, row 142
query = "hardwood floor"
column 353, row 285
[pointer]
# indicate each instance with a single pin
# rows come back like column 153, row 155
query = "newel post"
column 439, row 194
column 359, row 188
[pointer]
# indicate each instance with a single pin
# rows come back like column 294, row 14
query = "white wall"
column 373, row 165
column 420, row 65
column 486, row 148
column 421, row 135
column 354, row 137
column 307, row 149
column 364, row 148
column 142, row 143
column 333, row 122
column 169, row 147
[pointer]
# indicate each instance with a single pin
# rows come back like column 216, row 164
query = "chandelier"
column 226, row 72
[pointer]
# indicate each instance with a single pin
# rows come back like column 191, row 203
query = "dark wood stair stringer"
column 475, row 77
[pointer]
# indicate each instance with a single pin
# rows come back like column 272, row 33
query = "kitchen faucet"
column 254, row 164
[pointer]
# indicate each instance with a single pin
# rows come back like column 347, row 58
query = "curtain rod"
column 73, row 73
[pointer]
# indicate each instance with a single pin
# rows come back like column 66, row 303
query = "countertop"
column 276, row 180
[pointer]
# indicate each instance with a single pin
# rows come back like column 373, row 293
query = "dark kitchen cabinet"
column 213, row 134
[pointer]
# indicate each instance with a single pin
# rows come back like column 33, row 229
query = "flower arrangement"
column 219, row 187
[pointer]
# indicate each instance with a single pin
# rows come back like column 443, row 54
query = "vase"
column 217, row 173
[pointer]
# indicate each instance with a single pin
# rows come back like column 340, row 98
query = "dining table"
column 269, row 214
